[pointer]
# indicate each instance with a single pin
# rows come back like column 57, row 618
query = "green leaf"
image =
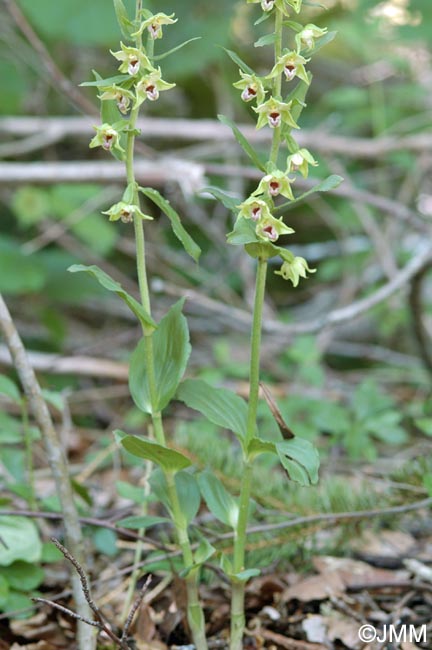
column 330, row 183
column 243, row 142
column 258, row 446
column 267, row 39
column 20, row 540
column 171, row 351
column 204, row 552
column 219, row 405
column 230, row 202
column 10, row 389
column 23, row 576
column 190, row 246
column 4, row 591
column 109, row 81
column 300, row 459
column 243, row 233
column 159, row 57
column 122, row 18
column 145, row 521
column 220, row 503
column 425, row 425
column 241, row 64
column 245, row 575
column 105, row 541
column 108, row 283
column 169, row 459
column 189, row 495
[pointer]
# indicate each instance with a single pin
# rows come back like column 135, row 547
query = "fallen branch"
column 211, row 130
column 56, row 458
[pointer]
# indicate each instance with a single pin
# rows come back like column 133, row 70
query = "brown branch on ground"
column 212, row 130
column 56, row 457
column 100, row 621
column 417, row 313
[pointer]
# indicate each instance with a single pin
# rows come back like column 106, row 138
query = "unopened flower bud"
column 294, row 270
column 308, row 35
column 300, row 161
column 125, row 212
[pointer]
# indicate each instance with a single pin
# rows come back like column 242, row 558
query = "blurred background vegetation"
column 361, row 389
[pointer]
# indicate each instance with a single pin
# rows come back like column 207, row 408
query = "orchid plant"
column 160, row 359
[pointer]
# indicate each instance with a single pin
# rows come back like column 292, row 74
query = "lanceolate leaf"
column 219, row 405
column 171, row 350
column 241, row 64
column 108, row 283
column 226, row 199
column 144, row 521
column 169, row 459
column 220, row 503
column 243, row 142
column 330, row 183
column 189, row 495
column 188, row 243
column 122, row 18
column 300, row 459
column 159, row 57
column 110, row 81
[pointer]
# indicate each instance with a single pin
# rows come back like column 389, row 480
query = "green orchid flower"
column 292, row 65
column 125, row 212
column 294, row 270
column 275, row 184
column 154, row 24
column 255, row 209
column 132, row 60
column 300, row 161
column 274, row 113
column 106, row 137
column 121, row 96
column 308, row 35
column 150, row 86
column 270, row 229
column 252, row 87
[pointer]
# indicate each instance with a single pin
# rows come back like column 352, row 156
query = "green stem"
column 195, row 612
column 238, row 588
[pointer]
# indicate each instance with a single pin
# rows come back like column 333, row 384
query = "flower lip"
column 133, row 66
column 267, row 5
column 290, row 71
column 274, row 119
column 248, row 94
column 270, row 232
column 154, row 30
column 274, row 188
column 256, row 213
column 152, row 92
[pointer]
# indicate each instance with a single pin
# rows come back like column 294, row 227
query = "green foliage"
column 21, row 540
column 188, row 243
column 219, row 405
column 171, row 350
column 220, row 503
column 168, row 459
column 109, row 284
